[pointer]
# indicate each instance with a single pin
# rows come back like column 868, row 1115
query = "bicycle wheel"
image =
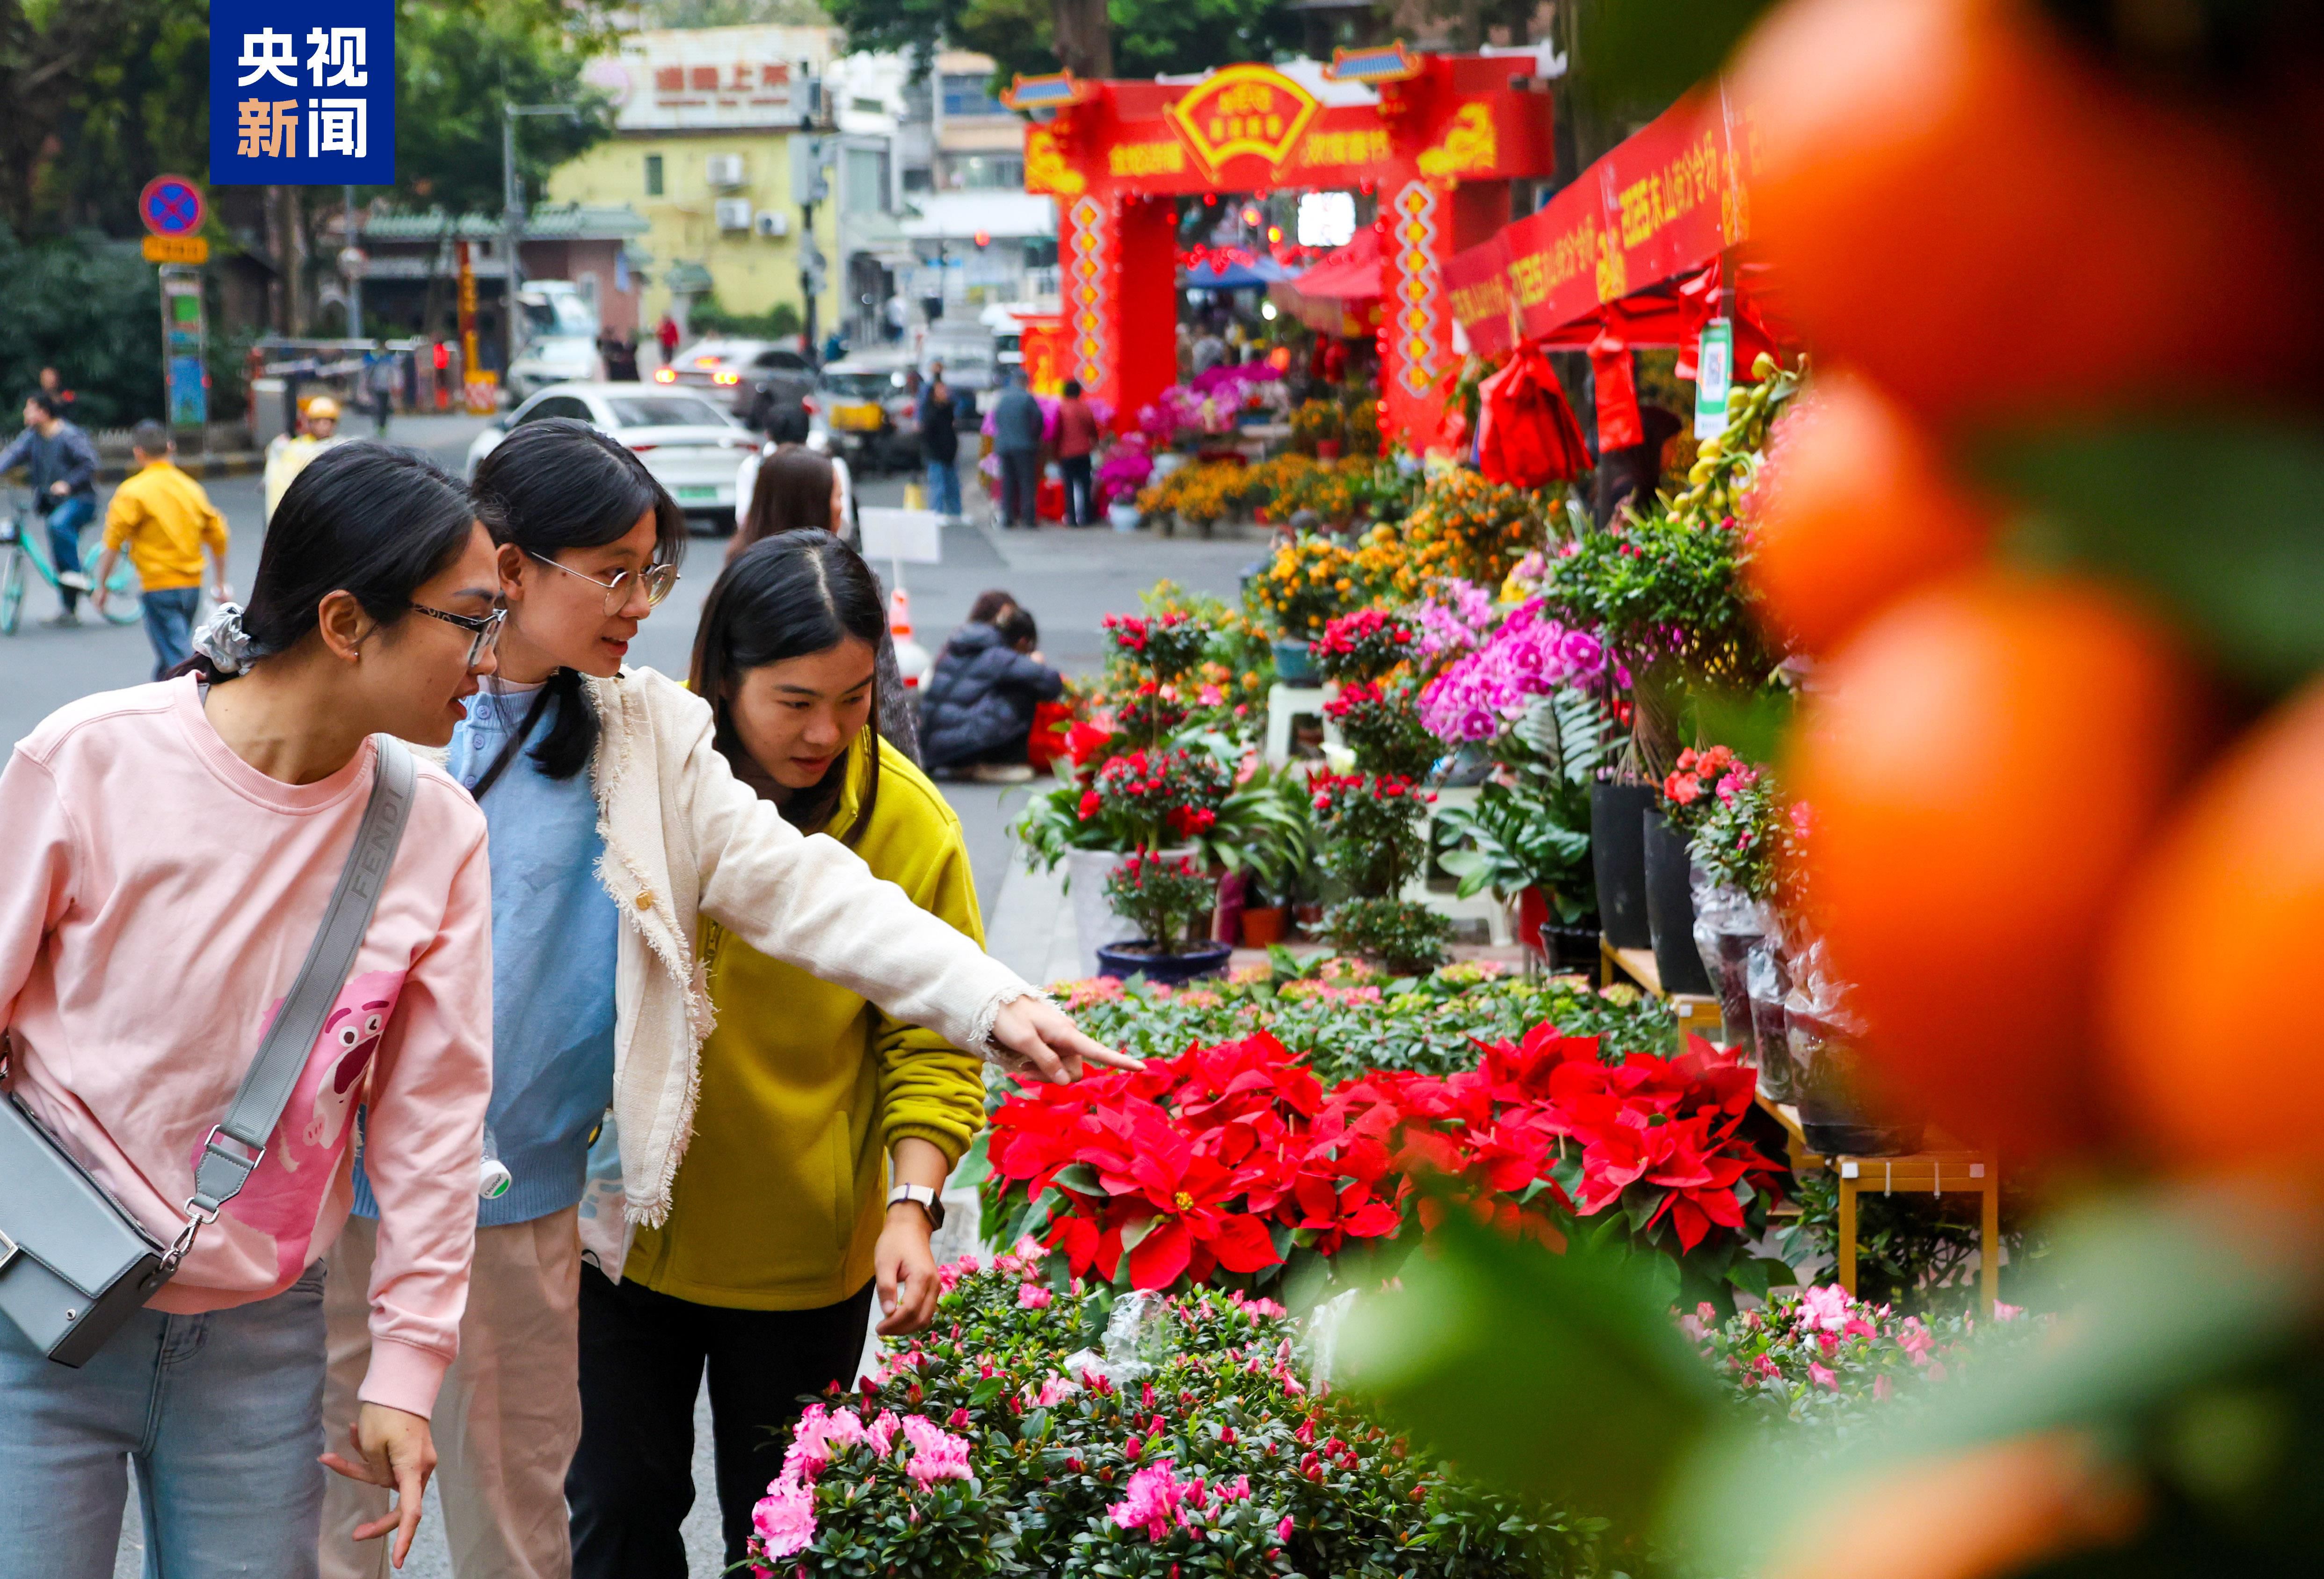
column 12, row 591
column 124, row 594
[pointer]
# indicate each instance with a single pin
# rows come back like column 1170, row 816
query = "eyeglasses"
column 657, row 580
column 484, row 627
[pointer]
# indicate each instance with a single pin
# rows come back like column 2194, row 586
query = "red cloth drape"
column 1620, row 425
column 1526, row 434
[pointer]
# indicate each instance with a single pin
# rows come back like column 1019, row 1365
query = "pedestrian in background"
column 378, row 384
column 764, row 1272
column 1078, row 436
column 617, row 828
column 666, row 336
column 976, row 708
column 940, row 448
column 166, row 855
column 1018, row 429
column 288, row 455
column 166, row 521
column 61, row 465
column 52, row 382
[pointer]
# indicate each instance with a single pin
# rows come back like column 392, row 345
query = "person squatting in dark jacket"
column 976, row 705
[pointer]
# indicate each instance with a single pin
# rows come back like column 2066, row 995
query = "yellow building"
column 704, row 120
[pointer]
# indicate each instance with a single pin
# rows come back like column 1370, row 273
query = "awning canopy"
column 1350, row 274
column 1217, row 274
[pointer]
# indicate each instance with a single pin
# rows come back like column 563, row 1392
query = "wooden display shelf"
column 1933, row 1172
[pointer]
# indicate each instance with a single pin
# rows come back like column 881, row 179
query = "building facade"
column 705, row 120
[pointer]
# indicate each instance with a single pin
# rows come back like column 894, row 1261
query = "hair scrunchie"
column 225, row 643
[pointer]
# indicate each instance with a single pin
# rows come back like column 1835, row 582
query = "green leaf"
column 1596, row 1403
column 2214, row 520
column 975, row 1166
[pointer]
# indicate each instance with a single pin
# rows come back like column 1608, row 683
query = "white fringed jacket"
column 684, row 839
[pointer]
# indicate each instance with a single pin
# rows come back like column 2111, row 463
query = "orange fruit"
column 1991, row 225
column 1853, row 507
column 2215, row 1056
column 1985, row 763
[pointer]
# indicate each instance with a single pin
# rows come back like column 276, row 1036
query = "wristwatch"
column 922, row 1197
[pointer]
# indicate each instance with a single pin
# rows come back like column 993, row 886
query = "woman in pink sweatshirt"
column 166, row 856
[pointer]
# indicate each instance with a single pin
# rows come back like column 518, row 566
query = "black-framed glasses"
column 482, row 627
column 657, row 580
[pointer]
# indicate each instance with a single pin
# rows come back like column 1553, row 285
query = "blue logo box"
column 302, row 94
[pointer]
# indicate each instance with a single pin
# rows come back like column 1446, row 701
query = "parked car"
column 560, row 338
column 685, row 439
column 742, row 367
column 870, row 407
column 971, row 357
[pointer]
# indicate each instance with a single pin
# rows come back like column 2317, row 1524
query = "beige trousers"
column 507, row 1420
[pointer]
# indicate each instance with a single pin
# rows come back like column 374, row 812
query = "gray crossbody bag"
column 73, row 1264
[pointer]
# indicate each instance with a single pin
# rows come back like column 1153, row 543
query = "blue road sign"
column 170, row 205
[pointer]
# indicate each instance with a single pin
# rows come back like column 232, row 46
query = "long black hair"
column 793, row 595
column 554, row 485
column 362, row 519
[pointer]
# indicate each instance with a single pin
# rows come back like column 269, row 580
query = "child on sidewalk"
column 976, row 712
column 165, row 520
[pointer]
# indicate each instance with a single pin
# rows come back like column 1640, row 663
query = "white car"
column 684, row 437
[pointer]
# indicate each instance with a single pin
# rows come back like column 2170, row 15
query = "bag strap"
column 234, row 1147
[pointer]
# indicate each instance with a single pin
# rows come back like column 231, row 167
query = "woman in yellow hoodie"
column 783, row 1221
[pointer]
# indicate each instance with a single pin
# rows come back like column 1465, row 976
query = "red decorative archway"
column 1436, row 138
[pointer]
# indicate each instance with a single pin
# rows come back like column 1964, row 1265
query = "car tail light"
column 642, row 448
column 665, row 375
column 809, row 407
column 725, row 378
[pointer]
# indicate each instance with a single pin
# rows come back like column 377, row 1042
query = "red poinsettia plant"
column 1232, row 1165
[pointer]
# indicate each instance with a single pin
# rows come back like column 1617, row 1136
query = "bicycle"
column 24, row 554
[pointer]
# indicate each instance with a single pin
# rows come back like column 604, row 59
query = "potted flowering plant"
column 1308, row 582
column 1365, row 645
column 1169, row 902
column 1373, row 843
column 1688, row 791
column 1124, row 473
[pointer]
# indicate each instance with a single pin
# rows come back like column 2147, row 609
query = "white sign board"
column 710, row 78
column 911, row 537
column 1327, row 219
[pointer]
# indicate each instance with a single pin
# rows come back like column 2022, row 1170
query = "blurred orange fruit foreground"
column 1992, row 227
column 2214, row 1051
column 1986, row 762
column 1852, row 509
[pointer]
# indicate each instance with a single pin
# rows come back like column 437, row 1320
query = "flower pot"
column 1573, row 950
column 1264, row 926
column 1133, row 959
column 1834, row 1121
column 1295, row 663
column 1617, row 853
column 1123, row 515
column 1670, row 908
column 1533, row 917
column 1094, row 922
column 1327, row 449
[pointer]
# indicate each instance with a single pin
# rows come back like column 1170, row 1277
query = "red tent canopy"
column 1350, row 274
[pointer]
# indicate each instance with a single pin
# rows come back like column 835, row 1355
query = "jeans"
column 944, row 488
column 220, row 1414
column 169, row 626
column 1076, row 469
column 1020, row 483
column 643, row 1357
column 65, row 523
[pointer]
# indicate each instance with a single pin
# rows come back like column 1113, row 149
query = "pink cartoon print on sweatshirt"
column 285, row 1192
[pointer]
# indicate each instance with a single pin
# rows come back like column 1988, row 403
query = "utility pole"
column 350, row 261
column 512, row 219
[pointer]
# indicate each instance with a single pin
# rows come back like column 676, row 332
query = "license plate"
column 697, row 493
column 858, row 418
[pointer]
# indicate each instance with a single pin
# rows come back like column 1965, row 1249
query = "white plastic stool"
column 1494, row 913
column 1287, row 702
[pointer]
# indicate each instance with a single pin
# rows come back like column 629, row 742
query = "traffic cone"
column 912, row 659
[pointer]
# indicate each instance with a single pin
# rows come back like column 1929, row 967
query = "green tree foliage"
column 89, row 306
column 100, row 95
column 1150, row 36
